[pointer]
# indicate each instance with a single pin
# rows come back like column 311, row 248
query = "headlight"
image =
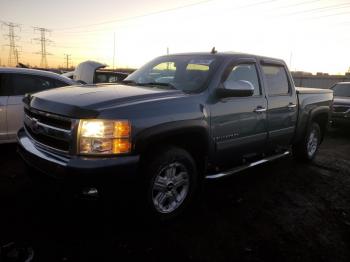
column 98, row 137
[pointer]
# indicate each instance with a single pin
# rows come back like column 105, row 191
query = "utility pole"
column 43, row 42
column 13, row 48
column 167, row 53
column 113, row 49
column 67, row 58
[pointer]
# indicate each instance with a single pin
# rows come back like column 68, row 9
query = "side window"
column 5, row 87
column 276, row 80
column 100, row 78
column 23, row 84
column 58, row 83
column 246, row 72
column 1, row 86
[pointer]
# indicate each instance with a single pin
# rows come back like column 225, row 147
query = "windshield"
column 342, row 90
column 188, row 73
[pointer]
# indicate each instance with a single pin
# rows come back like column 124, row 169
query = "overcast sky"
column 311, row 35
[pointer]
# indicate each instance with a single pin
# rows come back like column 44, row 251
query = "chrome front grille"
column 49, row 130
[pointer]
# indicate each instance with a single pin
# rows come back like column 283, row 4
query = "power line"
column 43, row 42
column 113, row 50
column 13, row 48
column 319, row 9
column 139, row 16
column 155, row 13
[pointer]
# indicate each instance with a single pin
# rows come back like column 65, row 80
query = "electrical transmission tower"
column 43, row 42
column 67, row 58
column 13, row 48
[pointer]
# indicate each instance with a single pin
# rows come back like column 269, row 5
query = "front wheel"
column 306, row 150
column 171, row 182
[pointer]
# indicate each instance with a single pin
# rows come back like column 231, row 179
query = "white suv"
column 14, row 84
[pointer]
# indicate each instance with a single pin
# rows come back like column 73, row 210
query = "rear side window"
column 276, row 80
column 246, row 72
column 23, row 84
column 342, row 90
column 5, row 88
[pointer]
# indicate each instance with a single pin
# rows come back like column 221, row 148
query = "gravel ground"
column 282, row 211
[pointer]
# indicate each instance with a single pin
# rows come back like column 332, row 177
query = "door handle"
column 260, row 109
column 291, row 105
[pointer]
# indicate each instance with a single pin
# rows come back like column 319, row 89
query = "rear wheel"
column 306, row 150
column 171, row 182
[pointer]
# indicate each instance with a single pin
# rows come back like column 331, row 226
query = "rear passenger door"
column 282, row 104
column 22, row 84
column 3, row 105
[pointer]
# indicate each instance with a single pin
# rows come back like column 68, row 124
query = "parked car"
column 174, row 122
column 91, row 72
column 341, row 104
column 14, row 84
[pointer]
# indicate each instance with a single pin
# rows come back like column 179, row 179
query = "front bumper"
column 76, row 169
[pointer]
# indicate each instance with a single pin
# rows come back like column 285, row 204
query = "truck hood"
column 89, row 100
column 341, row 100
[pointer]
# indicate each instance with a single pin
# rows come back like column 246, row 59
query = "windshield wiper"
column 133, row 82
column 129, row 82
column 169, row 85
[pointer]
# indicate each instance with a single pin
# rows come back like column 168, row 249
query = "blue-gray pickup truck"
column 174, row 122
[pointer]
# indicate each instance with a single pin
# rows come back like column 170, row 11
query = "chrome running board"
column 247, row 166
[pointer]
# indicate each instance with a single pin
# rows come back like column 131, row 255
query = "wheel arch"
column 192, row 135
column 320, row 115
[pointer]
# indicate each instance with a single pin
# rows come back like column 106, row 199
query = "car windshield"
column 188, row 73
column 342, row 90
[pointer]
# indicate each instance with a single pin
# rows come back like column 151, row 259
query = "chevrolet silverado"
column 177, row 120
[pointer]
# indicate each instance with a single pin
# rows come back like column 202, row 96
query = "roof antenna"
column 213, row 51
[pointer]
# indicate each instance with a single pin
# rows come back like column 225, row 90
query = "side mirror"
column 238, row 88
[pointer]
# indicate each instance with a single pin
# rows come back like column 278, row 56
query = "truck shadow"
column 341, row 131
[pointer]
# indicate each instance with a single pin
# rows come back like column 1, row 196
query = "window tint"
column 342, row 90
column 101, row 78
column 5, row 88
column 276, row 80
column 246, row 72
column 1, row 86
column 23, row 84
column 59, row 83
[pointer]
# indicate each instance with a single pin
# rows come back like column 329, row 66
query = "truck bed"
column 307, row 90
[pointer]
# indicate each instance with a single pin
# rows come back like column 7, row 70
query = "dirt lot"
column 282, row 211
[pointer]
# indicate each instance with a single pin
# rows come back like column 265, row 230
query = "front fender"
column 153, row 135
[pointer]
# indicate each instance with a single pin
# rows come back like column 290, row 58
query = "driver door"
column 239, row 124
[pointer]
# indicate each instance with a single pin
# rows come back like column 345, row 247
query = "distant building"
column 320, row 80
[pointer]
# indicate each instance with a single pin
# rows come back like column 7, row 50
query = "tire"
column 306, row 149
column 171, row 183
